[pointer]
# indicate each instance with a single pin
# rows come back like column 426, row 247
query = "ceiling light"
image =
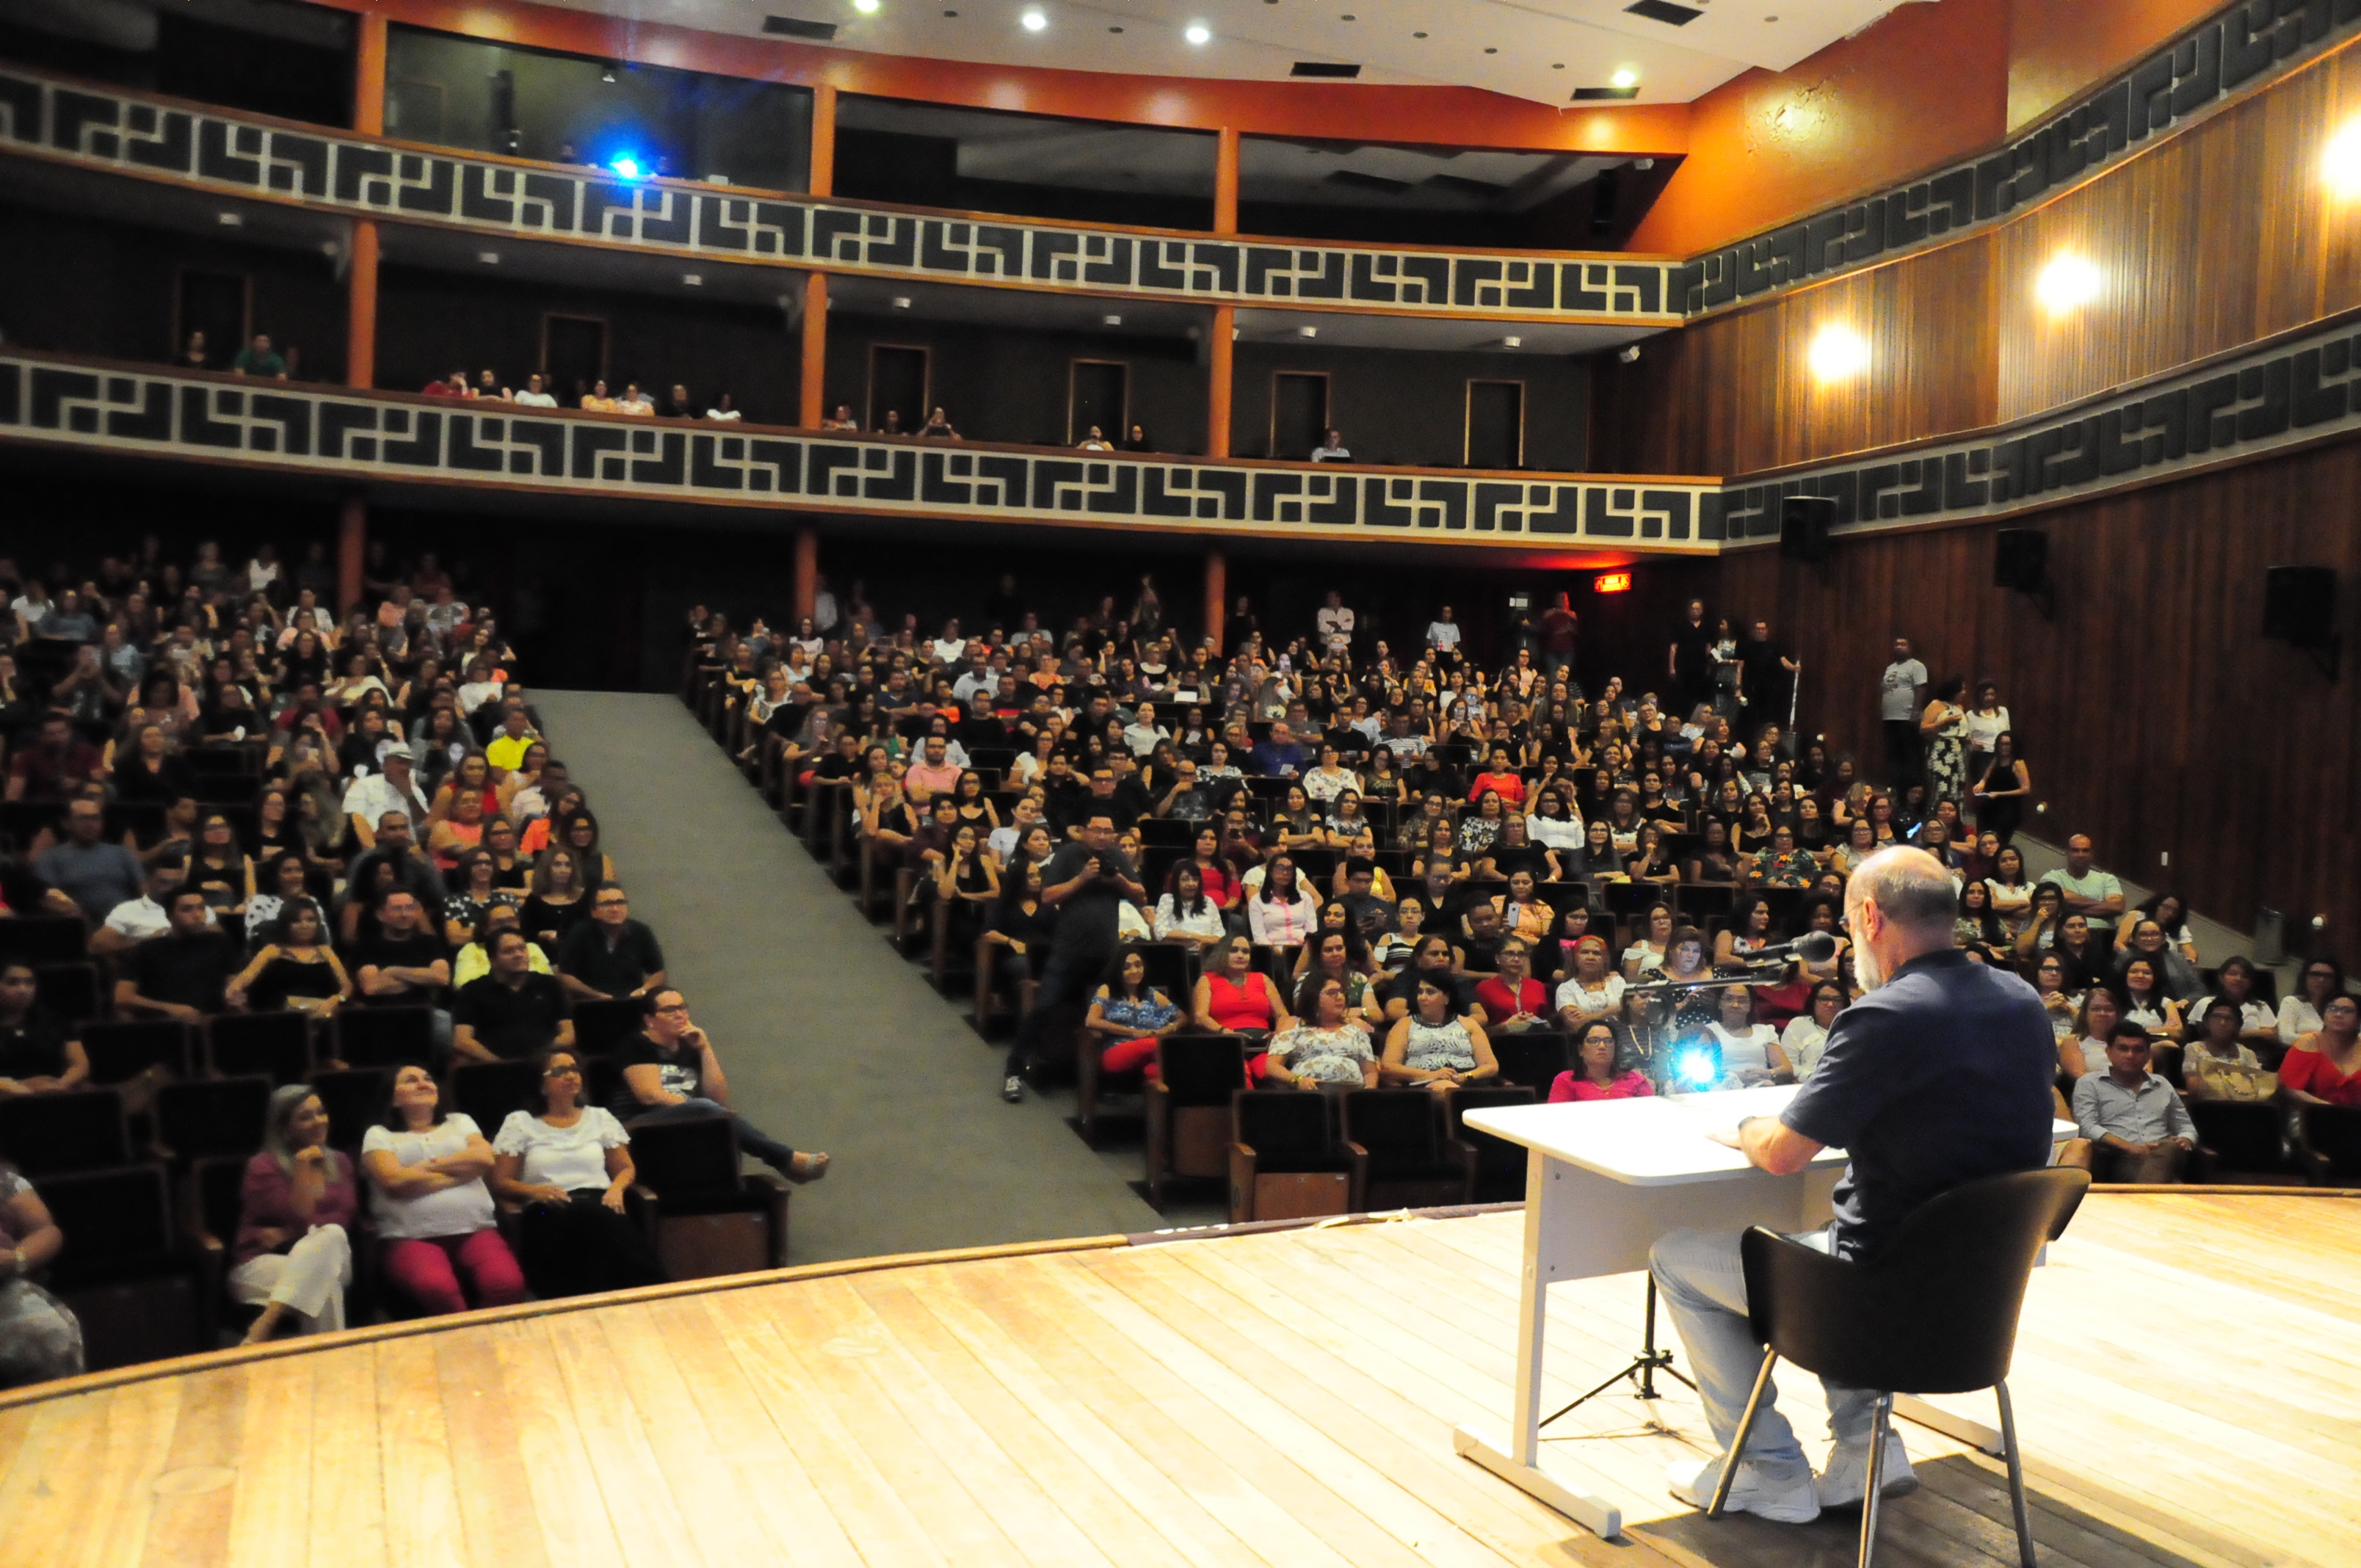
column 2341, row 162
column 1110, row 321
column 1512, row 343
column 2067, row 282
column 1034, row 21
column 1307, row 331
column 692, row 279
column 1198, row 33
column 230, row 220
column 607, row 76
column 1624, row 77
column 1628, row 354
column 489, row 257
column 1839, row 352
column 866, row 7
column 901, row 302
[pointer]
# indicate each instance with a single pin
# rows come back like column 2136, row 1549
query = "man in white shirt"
column 823, row 605
column 1334, row 623
column 371, row 797
column 1901, row 698
column 950, row 647
column 136, row 920
column 1331, row 450
column 535, row 394
column 723, row 412
column 2088, row 891
column 1442, row 633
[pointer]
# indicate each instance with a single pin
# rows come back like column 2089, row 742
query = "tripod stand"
column 1643, row 1367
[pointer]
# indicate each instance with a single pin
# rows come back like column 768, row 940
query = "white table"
column 1607, row 1179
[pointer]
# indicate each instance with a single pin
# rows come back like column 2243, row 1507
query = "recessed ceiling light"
column 1198, row 33
column 901, row 302
column 866, row 7
column 1034, row 21
column 1307, row 331
column 489, row 257
column 231, row 220
column 692, row 279
column 1111, row 320
column 1512, row 341
column 1625, row 77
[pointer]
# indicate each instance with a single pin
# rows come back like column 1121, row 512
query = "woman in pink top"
column 292, row 1252
column 1597, row 1080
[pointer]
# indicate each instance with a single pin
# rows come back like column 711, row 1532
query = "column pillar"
column 807, row 570
column 1217, row 596
column 1217, row 380
column 352, row 551
column 360, row 307
column 814, row 378
column 822, row 181
column 369, row 75
column 1225, row 180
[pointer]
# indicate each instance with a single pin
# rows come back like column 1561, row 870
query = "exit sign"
column 1611, row 583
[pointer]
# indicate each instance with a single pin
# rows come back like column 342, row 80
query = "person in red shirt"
column 1513, row 998
column 454, row 385
column 1596, row 1077
column 2324, row 1067
column 56, row 766
column 1499, row 775
column 1558, row 627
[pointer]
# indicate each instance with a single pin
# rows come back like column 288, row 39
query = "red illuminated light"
column 1611, row 583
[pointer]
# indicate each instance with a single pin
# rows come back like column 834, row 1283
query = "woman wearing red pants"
column 1128, row 1016
column 433, row 1212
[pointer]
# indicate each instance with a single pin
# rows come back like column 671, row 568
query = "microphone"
column 1812, row 948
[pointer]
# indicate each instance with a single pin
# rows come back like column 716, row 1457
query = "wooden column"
column 352, row 551
column 823, row 141
column 368, row 76
column 1217, row 596
column 1217, row 380
column 360, row 307
column 1226, row 182
column 807, row 570
column 815, row 378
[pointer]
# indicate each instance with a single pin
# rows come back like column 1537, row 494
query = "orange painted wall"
column 1921, row 86
column 1447, row 117
column 2057, row 51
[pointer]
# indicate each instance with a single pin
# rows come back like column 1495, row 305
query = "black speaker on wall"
column 2021, row 559
column 1804, row 524
column 2299, row 608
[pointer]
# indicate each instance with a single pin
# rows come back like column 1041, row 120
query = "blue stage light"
column 1698, row 1068
column 625, row 165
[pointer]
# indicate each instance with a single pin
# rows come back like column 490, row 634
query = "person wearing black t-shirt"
column 512, row 1012
column 1086, row 883
column 610, row 954
column 405, row 964
column 38, row 1052
column 1690, row 662
column 182, row 973
column 670, row 1071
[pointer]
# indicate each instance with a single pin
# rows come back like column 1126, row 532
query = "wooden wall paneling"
column 2153, row 713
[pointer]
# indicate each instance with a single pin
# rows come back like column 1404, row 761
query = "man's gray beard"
column 1865, row 968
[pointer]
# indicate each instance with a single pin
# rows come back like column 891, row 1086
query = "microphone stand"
column 1641, row 1370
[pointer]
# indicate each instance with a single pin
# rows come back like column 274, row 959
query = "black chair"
column 355, row 1099
column 2239, row 1141
column 121, row 1052
column 2332, row 1143
column 1189, row 1108
column 276, row 1045
column 384, row 1036
column 604, row 1023
column 489, row 1090
column 1285, row 1162
column 66, row 1130
column 70, row 991
column 138, row 1283
column 707, row 1217
column 1935, row 1313
column 1499, row 1164
column 1533, row 1058
column 44, row 939
column 211, row 1117
column 1402, row 1159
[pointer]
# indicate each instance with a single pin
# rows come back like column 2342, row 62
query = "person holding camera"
column 1087, row 881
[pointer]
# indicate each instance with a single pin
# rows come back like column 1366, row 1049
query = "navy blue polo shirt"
column 1938, row 1077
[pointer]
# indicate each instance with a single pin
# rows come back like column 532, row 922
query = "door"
column 1098, row 392
column 573, row 356
column 218, row 304
column 1496, row 424
column 1298, row 413
column 897, row 384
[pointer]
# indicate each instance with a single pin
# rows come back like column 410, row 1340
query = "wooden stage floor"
column 2189, row 1379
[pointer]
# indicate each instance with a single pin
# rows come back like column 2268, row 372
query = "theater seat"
column 1499, row 1164
column 69, row 989
column 2240, row 1143
column 2332, row 1143
column 354, row 1098
column 156, row 1047
column 140, row 1284
column 1532, row 1058
column 707, row 1217
column 211, row 1117
column 1285, row 1162
column 1401, row 1157
column 383, row 1037
column 1188, row 1110
column 67, row 1130
column 276, row 1045
column 489, row 1090
column 602, row 1024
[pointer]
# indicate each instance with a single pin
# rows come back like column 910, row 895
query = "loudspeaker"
column 1804, row 524
column 2300, row 605
column 2020, row 559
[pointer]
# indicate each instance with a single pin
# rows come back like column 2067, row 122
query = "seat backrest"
column 1200, row 1069
column 277, row 1045
column 694, row 1157
column 114, row 1220
column 44, row 938
column 602, row 1024
column 1171, row 969
column 1281, row 1124
column 2333, row 1133
column 215, row 1187
column 354, row 1099
column 1484, row 1097
column 119, row 1052
column 1532, row 1058
column 1396, row 1125
column 489, row 1090
column 2248, row 1135
column 384, row 1036
column 1935, row 1311
column 211, row 1116
column 1698, row 899
column 69, row 989
column 67, row 1130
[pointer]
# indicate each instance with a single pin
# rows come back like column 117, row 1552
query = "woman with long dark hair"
column 566, row 1166
column 1999, row 792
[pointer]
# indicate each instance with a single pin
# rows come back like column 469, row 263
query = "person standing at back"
column 1087, row 882
column 1689, row 663
column 1901, row 697
column 1938, row 1076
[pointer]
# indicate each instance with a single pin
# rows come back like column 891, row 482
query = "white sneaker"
column 1782, row 1502
column 1846, row 1480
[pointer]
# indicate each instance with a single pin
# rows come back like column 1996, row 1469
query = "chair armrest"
column 773, row 1188
column 1358, row 1151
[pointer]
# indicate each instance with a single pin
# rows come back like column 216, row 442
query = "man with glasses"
column 610, row 955
column 671, row 1073
column 510, row 1012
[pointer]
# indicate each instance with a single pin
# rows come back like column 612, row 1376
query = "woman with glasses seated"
column 565, row 1167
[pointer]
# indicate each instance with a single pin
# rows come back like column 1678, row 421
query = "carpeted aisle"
column 830, row 1040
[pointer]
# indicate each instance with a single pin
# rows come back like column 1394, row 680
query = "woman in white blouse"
column 565, row 1167
column 1807, row 1034
column 435, row 1215
column 1186, row 914
column 1284, row 910
column 2300, row 1013
column 1751, row 1052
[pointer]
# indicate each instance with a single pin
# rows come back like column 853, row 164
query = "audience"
column 296, row 1208
column 2137, row 1127
column 670, row 1070
column 435, row 1217
column 566, row 1166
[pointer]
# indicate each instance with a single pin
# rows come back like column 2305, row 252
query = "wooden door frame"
column 1467, row 417
column 926, row 354
column 1122, row 425
column 179, row 331
column 1327, row 404
column 606, row 342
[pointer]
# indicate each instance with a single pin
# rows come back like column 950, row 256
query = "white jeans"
column 309, row 1279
